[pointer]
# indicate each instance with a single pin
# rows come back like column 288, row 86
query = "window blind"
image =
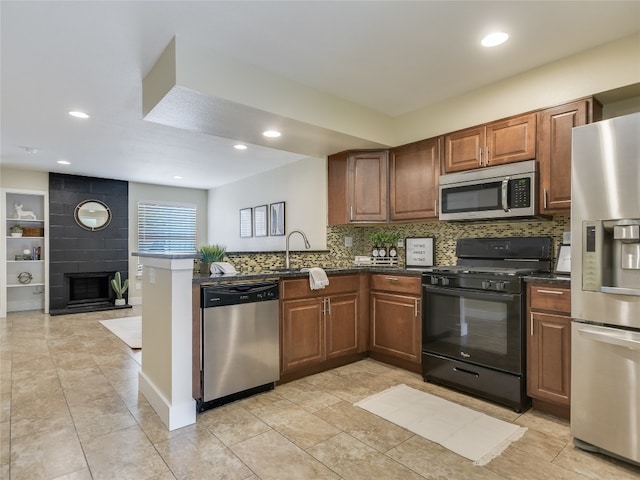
column 166, row 228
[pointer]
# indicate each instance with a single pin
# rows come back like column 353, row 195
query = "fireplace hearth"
column 87, row 292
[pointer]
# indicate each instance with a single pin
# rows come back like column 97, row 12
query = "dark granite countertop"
column 548, row 278
column 277, row 274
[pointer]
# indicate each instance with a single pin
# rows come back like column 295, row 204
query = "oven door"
column 481, row 328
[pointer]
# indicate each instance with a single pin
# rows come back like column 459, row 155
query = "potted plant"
column 16, row 230
column 119, row 288
column 210, row 254
column 377, row 238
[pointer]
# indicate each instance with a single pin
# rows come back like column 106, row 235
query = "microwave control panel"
column 520, row 192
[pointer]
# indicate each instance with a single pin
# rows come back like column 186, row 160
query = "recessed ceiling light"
column 271, row 134
column 494, row 39
column 30, row 150
column 64, row 162
column 240, row 147
column 177, row 177
column 78, row 114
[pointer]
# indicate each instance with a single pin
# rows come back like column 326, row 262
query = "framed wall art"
column 246, row 217
column 276, row 219
column 260, row 221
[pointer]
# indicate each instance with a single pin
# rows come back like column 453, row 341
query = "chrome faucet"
column 306, row 244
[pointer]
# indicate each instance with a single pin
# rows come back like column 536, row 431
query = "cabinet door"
column 549, row 357
column 413, row 180
column 337, row 180
column 463, row 150
column 511, row 140
column 368, row 186
column 395, row 325
column 554, row 151
column 341, row 317
column 302, row 333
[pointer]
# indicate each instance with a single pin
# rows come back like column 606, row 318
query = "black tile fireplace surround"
column 82, row 262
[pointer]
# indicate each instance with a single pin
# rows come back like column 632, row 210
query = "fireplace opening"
column 85, row 289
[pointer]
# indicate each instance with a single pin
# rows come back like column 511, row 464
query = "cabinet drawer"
column 299, row 287
column 550, row 298
column 396, row 283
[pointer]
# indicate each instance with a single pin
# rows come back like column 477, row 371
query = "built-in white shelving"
column 24, row 277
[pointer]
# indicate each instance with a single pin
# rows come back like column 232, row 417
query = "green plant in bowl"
column 212, row 253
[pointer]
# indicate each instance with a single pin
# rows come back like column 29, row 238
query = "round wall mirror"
column 92, row 215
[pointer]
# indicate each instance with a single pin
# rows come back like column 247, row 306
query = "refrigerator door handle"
column 621, row 291
column 611, row 339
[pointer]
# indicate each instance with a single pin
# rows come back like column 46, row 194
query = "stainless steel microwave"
column 504, row 191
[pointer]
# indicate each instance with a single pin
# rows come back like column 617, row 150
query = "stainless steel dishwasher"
column 239, row 341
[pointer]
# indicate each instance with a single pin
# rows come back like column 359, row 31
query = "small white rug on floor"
column 472, row 434
column 128, row 329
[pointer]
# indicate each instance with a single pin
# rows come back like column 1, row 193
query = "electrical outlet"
column 138, row 286
column 400, row 243
column 348, row 241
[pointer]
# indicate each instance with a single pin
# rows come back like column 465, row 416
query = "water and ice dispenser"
column 611, row 256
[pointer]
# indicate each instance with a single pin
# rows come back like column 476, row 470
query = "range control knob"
column 501, row 286
column 434, row 280
column 486, row 284
column 444, row 281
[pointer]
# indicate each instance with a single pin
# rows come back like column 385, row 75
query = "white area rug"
column 472, row 434
column 128, row 329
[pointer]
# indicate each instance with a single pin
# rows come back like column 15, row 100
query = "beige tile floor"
column 70, row 409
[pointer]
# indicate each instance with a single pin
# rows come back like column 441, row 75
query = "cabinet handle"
column 544, row 198
column 480, row 157
column 532, row 324
column 552, row 292
column 415, row 303
column 324, row 307
column 435, row 207
column 391, row 279
column 351, row 212
column 486, row 157
column 329, row 306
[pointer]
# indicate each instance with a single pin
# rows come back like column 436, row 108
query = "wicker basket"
column 33, row 231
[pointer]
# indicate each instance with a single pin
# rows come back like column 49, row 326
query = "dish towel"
column 317, row 278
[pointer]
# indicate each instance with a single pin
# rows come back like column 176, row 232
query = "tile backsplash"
column 444, row 233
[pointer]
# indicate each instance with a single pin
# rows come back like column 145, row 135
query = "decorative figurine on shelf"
column 23, row 214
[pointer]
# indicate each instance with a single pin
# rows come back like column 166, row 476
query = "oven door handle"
column 464, row 292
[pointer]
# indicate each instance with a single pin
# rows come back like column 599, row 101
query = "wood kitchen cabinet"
column 554, row 150
column 358, row 187
column 414, row 171
column 496, row 143
column 396, row 326
column 549, row 348
column 321, row 329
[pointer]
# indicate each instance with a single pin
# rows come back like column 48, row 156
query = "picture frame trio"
column 263, row 220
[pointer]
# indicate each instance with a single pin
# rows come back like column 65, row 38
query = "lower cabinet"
column 395, row 310
column 549, row 348
column 319, row 327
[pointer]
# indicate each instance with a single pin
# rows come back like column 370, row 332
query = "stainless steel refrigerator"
column 605, row 287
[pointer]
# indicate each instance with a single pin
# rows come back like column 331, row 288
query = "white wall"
column 24, row 179
column 603, row 68
column 301, row 185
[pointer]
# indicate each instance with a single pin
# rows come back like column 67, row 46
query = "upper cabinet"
column 496, row 143
column 414, row 171
column 378, row 186
column 358, row 187
column 554, row 150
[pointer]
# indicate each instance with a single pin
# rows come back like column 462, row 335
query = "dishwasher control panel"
column 238, row 293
